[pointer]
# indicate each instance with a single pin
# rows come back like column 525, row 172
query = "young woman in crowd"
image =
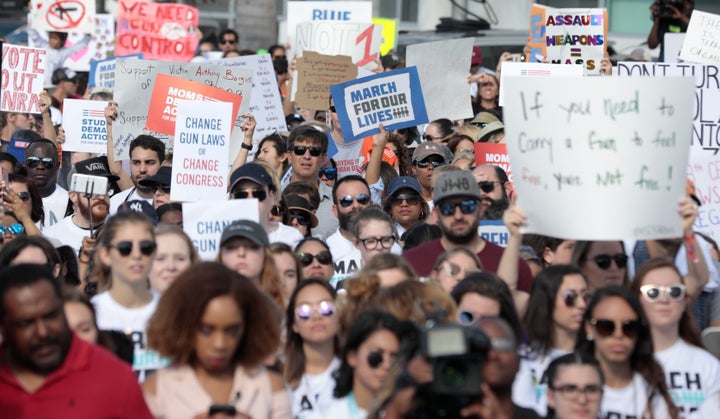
column 31, row 249
column 603, row 263
column 24, row 192
column 316, row 259
column 11, row 227
column 273, row 150
column 312, row 348
column 405, row 204
column 370, row 349
column 616, row 331
column 550, row 250
column 575, row 387
column 245, row 248
column 288, row 266
column 175, row 253
column 216, row 328
column 438, row 130
column 374, row 233
column 553, row 318
column 488, row 94
column 453, row 265
column 692, row 373
column 299, row 214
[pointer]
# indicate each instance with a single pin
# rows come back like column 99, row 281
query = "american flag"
column 93, row 114
column 534, row 72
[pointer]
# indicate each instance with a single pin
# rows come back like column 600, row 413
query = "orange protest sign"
column 494, row 154
column 168, row 90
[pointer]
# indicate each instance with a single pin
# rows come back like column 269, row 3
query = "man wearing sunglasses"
column 458, row 212
column 495, row 190
column 427, row 157
column 228, row 40
column 41, row 162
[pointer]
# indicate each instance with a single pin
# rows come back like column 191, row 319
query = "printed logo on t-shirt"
column 686, row 390
column 145, row 361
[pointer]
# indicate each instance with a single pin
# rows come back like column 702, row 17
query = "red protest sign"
column 23, row 72
column 160, row 31
column 168, row 90
column 495, row 154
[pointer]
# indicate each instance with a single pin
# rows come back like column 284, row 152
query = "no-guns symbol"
column 67, row 14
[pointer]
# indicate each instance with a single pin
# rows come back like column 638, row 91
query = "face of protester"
column 432, row 133
column 454, row 269
column 264, row 206
column 489, row 89
column 503, row 363
column 424, row 174
column 570, row 303
column 22, row 189
column 144, row 163
column 172, row 257
column 269, row 154
column 21, row 120
column 81, row 321
column 464, row 145
column 99, row 206
column 346, row 215
column 34, row 327
column 373, row 229
column 306, row 166
column 55, row 40
column 228, row 42
column 458, row 227
column 562, row 254
column 134, row 267
column 219, row 333
column 324, row 178
column 318, row 328
column 172, row 217
column 160, row 196
column 315, row 269
column 495, row 202
column 406, row 211
column 7, row 221
column 617, row 347
column 580, row 405
column 612, row 274
column 287, row 266
column 664, row 312
column 365, row 376
column 245, row 257
column 44, row 177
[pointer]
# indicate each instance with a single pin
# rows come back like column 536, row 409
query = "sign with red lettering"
column 361, row 41
column 166, row 31
column 23, row 72
column 495, row 154
column 168, row 90
column 62, row 15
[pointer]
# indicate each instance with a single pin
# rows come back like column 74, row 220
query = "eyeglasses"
column 147, row 247
column 13, row 229
column 488, row 186
column 158, row 187
column 228, row 41
column 258, row 193
column 427, row 137
column 571, row 296
column 466, row 207
column 307, row 258
column 372, row 243
column 23, row 195
column 603, row 261
column 573, row 392
column 330, row 173
column 606, row 327
column 376, row 358
column 306, row 311
column 302, row 218
column 425, row 163
column 300, row 150
column 347, row 200
column 411, row 199
column 653, row 293
column 33, row 162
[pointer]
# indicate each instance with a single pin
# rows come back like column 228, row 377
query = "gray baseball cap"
column 456, row 183
column 245, row 229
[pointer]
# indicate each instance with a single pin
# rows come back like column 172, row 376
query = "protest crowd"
column 168, row 250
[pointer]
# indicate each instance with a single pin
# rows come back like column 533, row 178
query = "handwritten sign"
column 606, row 160
column 702, row 40
column 494, row 154
column 102, row 73
column 168, row 90
column 536, row 70
column 62, row 15
column 200, row 152
column 316, row 73
column 442, row 67
column 84, row 123
column 161, row 31
column 568, row 36
column 23, row 72
column 339, row 11
column 393, row 98
column 704, row 162
column 205, row 223
column 134, row 80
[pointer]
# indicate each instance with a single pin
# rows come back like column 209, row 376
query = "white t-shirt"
column 55, row 205
column 530, row 384
column 692, row 375
column 314, row 394
column 285, row 234
column 133, row 321
column 349, row 159
column 68, row 233
column 346, row 257
column 345, row 408
column 125, row 196
column 630, row 402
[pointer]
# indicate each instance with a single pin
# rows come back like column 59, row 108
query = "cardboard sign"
column 568, row 36
column 168, row 90
column 200, row 151
column 442, row 67
column 62, row 15
column 393, row 98
column 102, row 73
column 159, row 31
column 604, row 160
column 23, row 73
column 495, row 154
column 338, row 11
column 316, row 73
column 84, row 123
column 204, row 222
column 536, row 70
column 704, row 162
column 673, row 45
column 702, row 40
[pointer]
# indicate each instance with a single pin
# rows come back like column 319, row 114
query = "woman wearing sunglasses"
column 691, row 372
column 603, row 263
column 405, row 204
column 575, row 387
column 370, row 349
column 328, row 173
column 10, row 228
column 22, row 193
column 217, row 329
column 125, row 302
column 553, row 318
column 312, row 348
column 299, row 215
column 616, row 331
column 316, row 259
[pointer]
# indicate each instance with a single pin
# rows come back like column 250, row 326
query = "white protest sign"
column 102, row 73
column 62, row 15
column 23, row 73
column 673, row 45
column 704, row 162
column 200, row 151
column 339, row 11
column 134, row 81
column 84, row 123
column 604, row 160
column 702, row 39
column 204, row 222
column 511, row 69
column 442, row 67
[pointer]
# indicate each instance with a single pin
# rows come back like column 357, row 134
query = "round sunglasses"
column 570, row 297
column 606, row 328
column 147, row 247
column 653, row 293
column 305, row 311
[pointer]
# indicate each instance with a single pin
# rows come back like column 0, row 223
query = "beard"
column 62, row 341
column 100, row 209
column 345, row 220
column 460, row 238
column 497, row 207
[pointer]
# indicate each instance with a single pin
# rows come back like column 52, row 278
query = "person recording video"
column 669, row 16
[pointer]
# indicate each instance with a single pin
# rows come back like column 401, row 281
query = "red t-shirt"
column 91, row 383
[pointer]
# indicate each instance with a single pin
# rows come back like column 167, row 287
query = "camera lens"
column 454, row 373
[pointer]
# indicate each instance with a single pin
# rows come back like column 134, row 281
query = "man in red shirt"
column 45, row 369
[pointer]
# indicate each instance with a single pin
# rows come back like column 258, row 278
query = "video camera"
column 664, row 9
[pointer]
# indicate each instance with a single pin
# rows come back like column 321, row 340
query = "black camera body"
column 664, row 11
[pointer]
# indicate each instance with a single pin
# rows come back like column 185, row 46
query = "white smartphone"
column 88, row 184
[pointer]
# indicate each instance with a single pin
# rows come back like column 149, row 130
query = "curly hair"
column 360, row 294
column 417, row 301
column 173, row 327
column 403, row 155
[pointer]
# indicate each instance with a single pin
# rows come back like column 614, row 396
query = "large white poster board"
column 702, row 40
column 604, row 160
column 204, row 222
